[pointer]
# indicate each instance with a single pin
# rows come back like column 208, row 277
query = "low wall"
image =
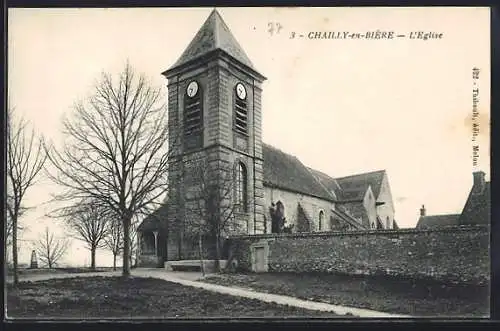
column 452, row 254
column 151, row 261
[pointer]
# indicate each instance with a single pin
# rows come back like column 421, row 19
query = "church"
column 215, row 128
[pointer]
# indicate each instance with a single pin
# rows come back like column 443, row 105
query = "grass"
column 113, row 297
column 377, row 293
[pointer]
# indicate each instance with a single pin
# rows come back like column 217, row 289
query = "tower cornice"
column 209, row 57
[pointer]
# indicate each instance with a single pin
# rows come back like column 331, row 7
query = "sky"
column 341, row 106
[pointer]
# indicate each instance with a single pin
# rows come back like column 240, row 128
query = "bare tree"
column 210, row 205
column 9, row 222
column 114, row 240
column 88, row 220
column 25, row 160
column 134, row 245
column 115, row 149
column 50, row 249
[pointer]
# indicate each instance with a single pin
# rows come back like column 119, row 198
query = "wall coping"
column 464, row 228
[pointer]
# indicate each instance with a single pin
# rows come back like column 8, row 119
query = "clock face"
column 241, row 92
column 192, row 89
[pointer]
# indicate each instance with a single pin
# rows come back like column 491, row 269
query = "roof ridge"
column 276, row 148
column 434, row 215
column 216, row 28
column 300, row 178
column 312, row 176
column 329, row 177
column 362, row 173
column 321, row 184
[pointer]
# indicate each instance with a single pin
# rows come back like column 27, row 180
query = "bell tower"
column 214, row 116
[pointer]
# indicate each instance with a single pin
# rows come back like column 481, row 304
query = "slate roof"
column 328, row 182
column 437, row 221
column 213, row 34
column 360, row 182
column 477, row 209
column 356, row 194
column 154, row 221
column 352, row 187
column 285, row 171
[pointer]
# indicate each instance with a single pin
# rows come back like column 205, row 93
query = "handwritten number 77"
column 274, row 27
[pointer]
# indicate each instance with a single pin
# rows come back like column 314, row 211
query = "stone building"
column 476, row 211
column 215, row 120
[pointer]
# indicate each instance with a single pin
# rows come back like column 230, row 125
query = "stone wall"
column 290, row 200
column 453, row 254
column 149, row 261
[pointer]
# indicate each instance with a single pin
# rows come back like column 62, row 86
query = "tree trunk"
column 167, row 236
column 217, row 252
column 92, row 258
column 200, row 251
column 114, row 262
column 126, row 248
column 179, row 246
column 14, row 249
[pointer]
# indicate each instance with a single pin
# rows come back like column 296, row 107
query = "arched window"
column 388, row 221
column 241, row 187
column 321, row 218
column 280, row 210
column 278, row 217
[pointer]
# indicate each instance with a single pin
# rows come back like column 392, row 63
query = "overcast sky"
column 340, row 106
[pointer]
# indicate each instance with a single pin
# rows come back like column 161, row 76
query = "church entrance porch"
column 152, row 248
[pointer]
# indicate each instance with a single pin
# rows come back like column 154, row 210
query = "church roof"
column 285, row 171
column 288, row 172
column 437, row 221
column 356, row 185
column 154, row 221
column 477, row 209
column 213, row 34
column 329, row 182
column 352, row 187
column 353, row 194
